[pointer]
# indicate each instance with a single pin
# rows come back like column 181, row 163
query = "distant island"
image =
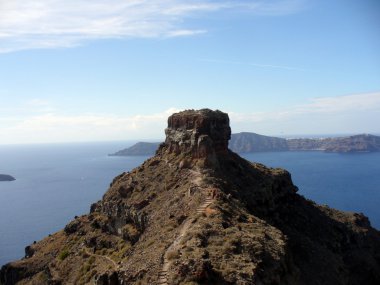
column 6, row 177
column 247, row 142
column 251, row 142
column 140, row 148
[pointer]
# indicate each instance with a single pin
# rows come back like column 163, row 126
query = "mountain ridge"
column 197, row 213
column 246, row 142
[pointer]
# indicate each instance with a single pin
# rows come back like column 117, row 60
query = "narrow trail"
column 197, row 180
column 163, row 274
column 104, row 257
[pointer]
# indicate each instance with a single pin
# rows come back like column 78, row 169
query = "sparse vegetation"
column 221, row 246
column 63, row 254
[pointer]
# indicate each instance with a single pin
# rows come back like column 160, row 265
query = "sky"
column 104, row 70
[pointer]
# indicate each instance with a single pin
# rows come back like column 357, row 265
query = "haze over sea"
column 55, row 182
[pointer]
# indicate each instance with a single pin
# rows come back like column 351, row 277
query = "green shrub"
column 91, row 260
column 63, row 254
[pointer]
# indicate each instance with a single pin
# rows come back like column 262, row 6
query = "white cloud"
column 357, row 113
column 320, row 106
column 182, row 33
column 68, row 23
column 51, row 127
column 345, row 114
column 25, row 108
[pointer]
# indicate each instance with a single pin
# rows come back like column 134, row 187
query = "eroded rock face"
column 201, row 133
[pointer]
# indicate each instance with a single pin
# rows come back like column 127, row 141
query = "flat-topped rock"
column 200, row 133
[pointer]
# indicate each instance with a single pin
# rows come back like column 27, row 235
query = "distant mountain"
column 251, row 142
column 140, row 148
column 357, row 143
column 6, row 177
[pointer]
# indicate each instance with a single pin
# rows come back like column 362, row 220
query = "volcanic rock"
column 199, row 134
column 197, row 213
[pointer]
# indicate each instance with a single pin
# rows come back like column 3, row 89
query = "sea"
column 55, row 182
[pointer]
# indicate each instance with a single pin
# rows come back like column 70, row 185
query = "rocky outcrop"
column 197, row 213
column 199, row 134
column 6, row 177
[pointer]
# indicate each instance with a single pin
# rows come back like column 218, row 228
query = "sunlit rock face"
column 200, row 133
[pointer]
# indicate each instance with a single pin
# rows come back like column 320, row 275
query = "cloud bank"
column 67, row 23
column 355, row 113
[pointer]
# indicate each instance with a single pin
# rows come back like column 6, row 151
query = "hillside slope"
column 197, row 213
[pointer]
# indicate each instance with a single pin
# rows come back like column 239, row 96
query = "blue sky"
column 115, row 70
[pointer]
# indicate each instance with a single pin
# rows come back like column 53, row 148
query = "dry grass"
column 173, row 254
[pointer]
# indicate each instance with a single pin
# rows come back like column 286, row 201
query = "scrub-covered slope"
column 197, row 213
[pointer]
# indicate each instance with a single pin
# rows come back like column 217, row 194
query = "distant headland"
column 246, row 142
column 140, row 148
column 6, row 177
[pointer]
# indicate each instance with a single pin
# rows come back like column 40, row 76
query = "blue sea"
column 55, row 182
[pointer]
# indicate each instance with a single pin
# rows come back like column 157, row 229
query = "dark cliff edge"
column 246, row 142
column 197, row 213
column 6, row 177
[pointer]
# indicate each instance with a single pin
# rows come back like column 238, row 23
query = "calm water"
column 349, row 182
column 56, row 182
column 53, row 184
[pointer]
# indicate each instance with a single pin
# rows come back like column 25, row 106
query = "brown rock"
column 197, row 213
column 200, row 133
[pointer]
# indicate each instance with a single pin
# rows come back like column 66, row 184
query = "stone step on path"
column 163, row 277
column 202, row 208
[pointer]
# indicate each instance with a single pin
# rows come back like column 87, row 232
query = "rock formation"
column 197, row 213
column 198, row 134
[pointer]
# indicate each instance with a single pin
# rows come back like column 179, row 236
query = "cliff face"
column 251, row 142
column 357, row 143
column 197, row 213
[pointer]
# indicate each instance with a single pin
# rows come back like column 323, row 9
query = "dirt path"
column 197, row 180
column 104, row 257
column 163, row 274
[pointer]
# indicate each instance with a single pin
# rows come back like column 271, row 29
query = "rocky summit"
column 197, row 213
